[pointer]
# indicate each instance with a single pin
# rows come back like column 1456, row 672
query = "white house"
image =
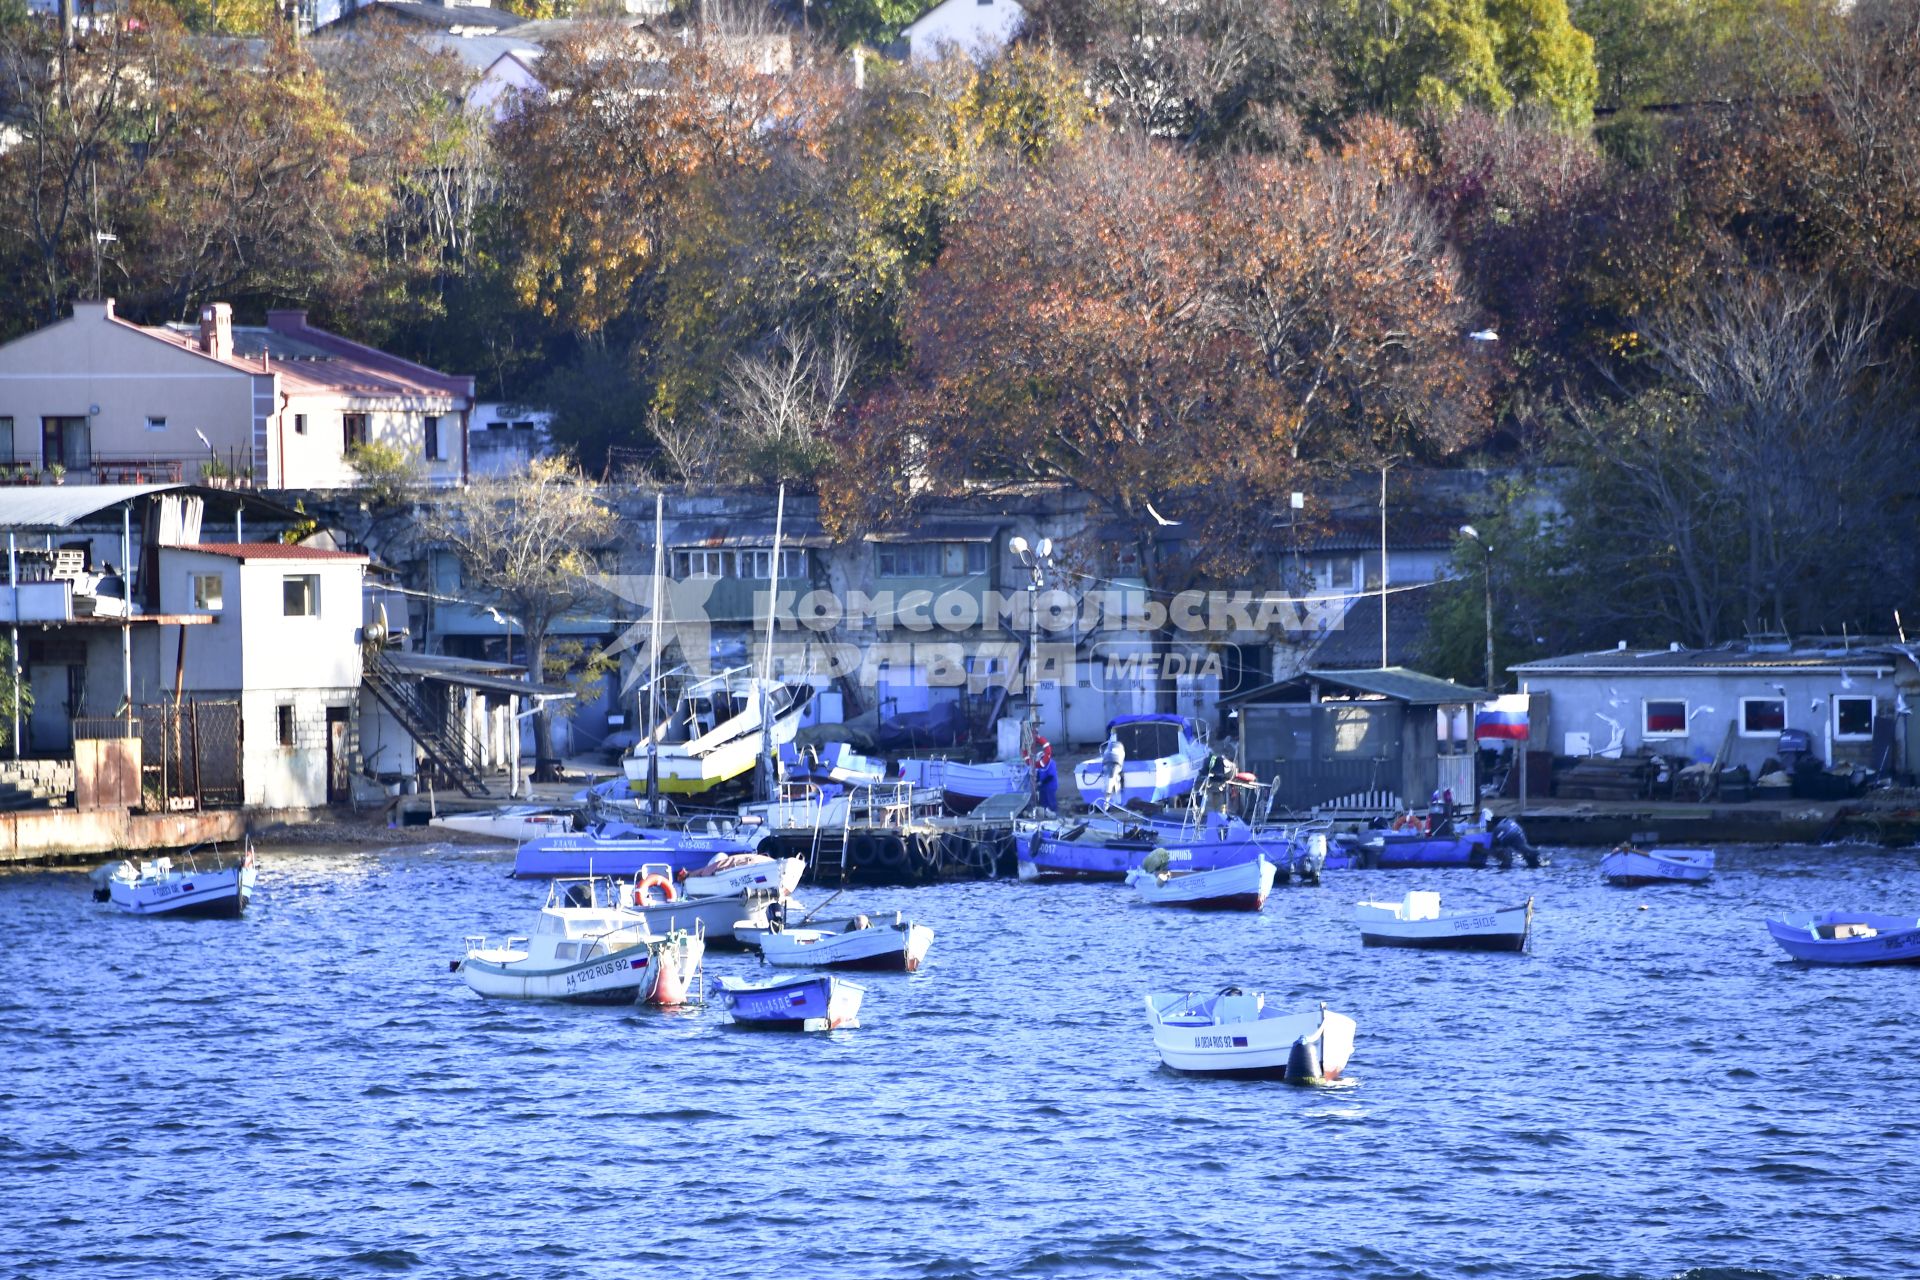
column 285, row 642
column 503, row 438
column 980, row 29
column 96, row 399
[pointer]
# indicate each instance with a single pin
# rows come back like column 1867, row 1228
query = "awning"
column 939, row 531
column 471, row 673
column 753, row 534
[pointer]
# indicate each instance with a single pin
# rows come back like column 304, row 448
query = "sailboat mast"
column 769, row 762
column 653, row 655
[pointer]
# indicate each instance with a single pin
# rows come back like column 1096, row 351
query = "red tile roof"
column 313, row 360
column 269, row 551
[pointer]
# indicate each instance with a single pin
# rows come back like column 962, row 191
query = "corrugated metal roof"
column 757, row 534
column 940, row 531
column 268, row 551
column 1398, row 683
column 1633, row 661
column 62, row 506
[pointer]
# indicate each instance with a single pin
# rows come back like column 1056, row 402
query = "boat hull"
column 221, row 894
column 1389, row 851
column 772, row 876
column 517, row 826
column 1239, row 887
column 1046, row 855
column 717, row 917
column 580, row 853
column 1504, row 930
column 819, row 1002
column 659, row 972
column 896, row 948
column 1255, row 1045
column 1632, row 868
column 1894, row 940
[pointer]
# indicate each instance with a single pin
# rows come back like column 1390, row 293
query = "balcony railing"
column 233, row 470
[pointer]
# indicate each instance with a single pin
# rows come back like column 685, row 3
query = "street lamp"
column 1486, row 564
column 1037, row 560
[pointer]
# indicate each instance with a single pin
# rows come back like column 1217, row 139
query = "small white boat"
column 1630, row 867
column 157, row 887
column 653, row 900
column 898, row 945
column 1239, row 886
column 1235, row 1033
column 583, row 950
column 1418, row 921
column 739, row 873
column 804, row 1002
column 518, row 823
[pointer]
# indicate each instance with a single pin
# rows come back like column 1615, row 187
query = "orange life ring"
column 1040, row 759
column 647, row 882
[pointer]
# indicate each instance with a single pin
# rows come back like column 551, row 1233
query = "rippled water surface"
column 308, row 1091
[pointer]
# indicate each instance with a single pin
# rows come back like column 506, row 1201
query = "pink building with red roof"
column 98, row 399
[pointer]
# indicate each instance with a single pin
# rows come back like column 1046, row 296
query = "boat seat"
column 1422, row 904
column 1240, row 1008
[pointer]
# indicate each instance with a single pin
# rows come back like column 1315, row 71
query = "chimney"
column 283, row 321
column 216, row 330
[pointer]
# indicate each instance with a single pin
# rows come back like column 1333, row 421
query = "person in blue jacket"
column 1046, row 778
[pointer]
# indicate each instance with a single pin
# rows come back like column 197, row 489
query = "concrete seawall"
column 53, row 836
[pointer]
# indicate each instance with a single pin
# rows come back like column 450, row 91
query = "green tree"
column 1405, row 56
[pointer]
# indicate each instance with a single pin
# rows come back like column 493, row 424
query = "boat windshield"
column 1149, row 740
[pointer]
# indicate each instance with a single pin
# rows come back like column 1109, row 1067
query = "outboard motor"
column 776, row 916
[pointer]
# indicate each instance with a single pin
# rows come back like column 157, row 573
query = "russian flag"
column 798, row 997
column 1504, row 718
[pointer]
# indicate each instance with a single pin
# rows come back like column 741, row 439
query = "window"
column 299, row 424
column 6, row 439
column 1663, row 718
column 793, row 564
column 301, row 595
column 431, row 428
column 66, row 442
column 1853, row 719
column 156, row 423
column 283, row 724
column 209, row 591
column 1338, row 573
column 930, row 559
column 353, row 429
column 1762, row 717
column 702, row 564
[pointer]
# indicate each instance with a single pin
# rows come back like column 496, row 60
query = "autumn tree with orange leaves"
column 1125, row 323
column 599, row 159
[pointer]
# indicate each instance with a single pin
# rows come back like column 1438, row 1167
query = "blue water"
column 309, row 1092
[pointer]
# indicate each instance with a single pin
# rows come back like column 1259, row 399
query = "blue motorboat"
column 1078, row 852
column 1848, row 937
column 1630, row 867
column 804, row 1002
column 619, row 849
column 1380, row 849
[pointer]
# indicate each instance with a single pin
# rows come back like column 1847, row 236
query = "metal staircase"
column 444, row 739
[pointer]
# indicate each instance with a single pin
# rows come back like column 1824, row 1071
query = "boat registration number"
column 1219, row 1042
column 1476, row 922
column 602, row 970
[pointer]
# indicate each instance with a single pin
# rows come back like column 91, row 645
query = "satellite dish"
column 376, row 633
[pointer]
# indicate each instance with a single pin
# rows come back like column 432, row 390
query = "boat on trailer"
column 586, row 951
column 1236, row 1033
column 1629, row 867
column 1240, row 886
column 717, row 733
column 206, row 886
column 1164, row 756
column 802, row 1002
column 1848, row 937
column 1418, row 921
